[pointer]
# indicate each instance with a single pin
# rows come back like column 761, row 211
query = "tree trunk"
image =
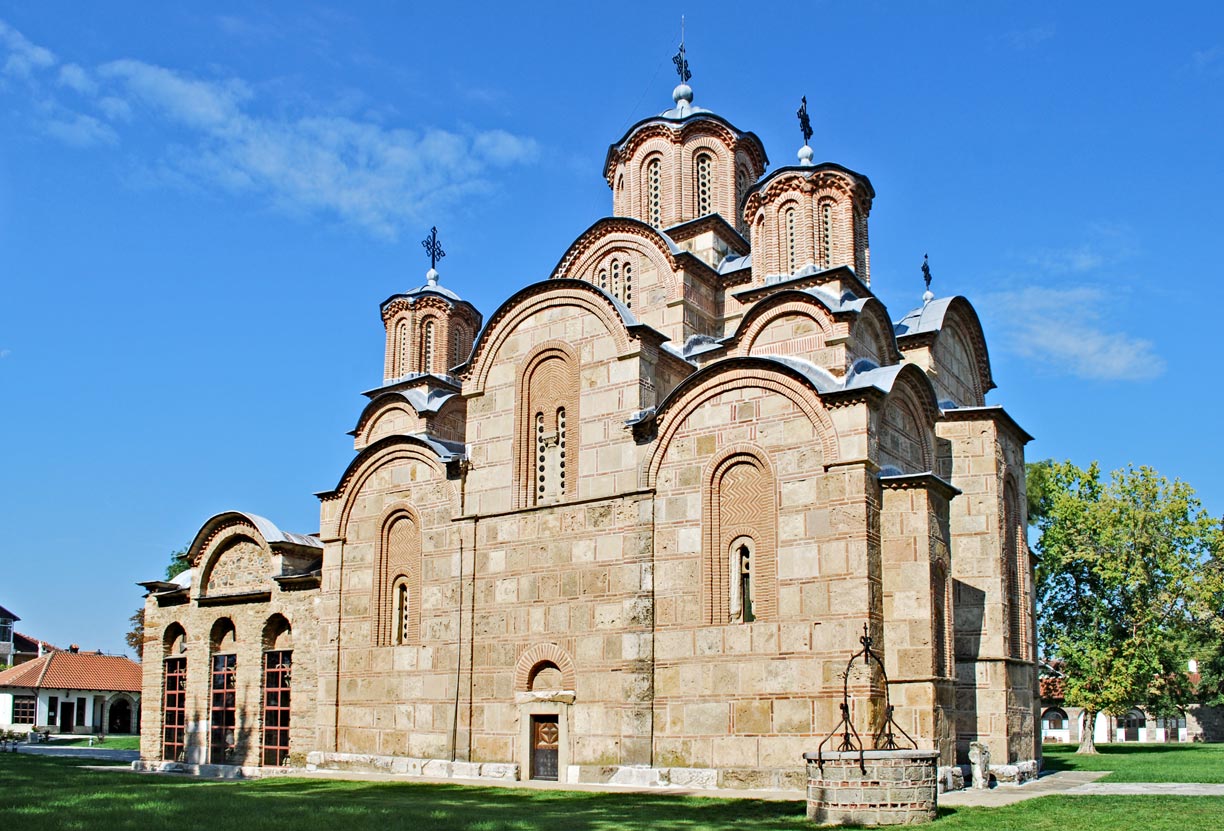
column 1088, row 734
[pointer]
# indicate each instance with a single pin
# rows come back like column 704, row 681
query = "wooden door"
column 545, row 735
column 67, row 717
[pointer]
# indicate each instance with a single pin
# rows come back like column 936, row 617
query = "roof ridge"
column 43, row 674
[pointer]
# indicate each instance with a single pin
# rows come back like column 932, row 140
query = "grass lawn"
column 1143, row 762
column 111, row 743
column 48, row 793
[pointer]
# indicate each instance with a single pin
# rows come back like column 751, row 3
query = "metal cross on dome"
column 926, row 272
column 681, row 62
column 433, row 247
column 805, row 123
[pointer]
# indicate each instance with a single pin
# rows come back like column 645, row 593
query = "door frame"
column 531, row 705
column 67, row 716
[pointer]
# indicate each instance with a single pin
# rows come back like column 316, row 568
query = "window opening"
column 654, row 192
column 745, row 577
column 24, row 709
column 276, row 707
column 790, row 241
column 628, row 297
column 223, row 709
column 174, row 710
column 826, row 249
column 403, row 611
column 705, row 185
column 402, row 337
column 427, row 348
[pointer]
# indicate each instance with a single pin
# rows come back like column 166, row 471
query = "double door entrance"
column 545, row 738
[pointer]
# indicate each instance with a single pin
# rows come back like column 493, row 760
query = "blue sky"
column 202, row 205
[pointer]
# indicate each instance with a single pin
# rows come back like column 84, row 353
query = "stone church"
column 630, row 527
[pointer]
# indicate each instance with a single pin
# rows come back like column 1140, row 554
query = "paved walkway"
column 99, row 753
column 1149, row 789
column 1063, row 781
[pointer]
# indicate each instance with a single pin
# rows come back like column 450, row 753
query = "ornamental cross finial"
column 681, row 62
column 926, row 272
column 805, row 123
column 433, row 247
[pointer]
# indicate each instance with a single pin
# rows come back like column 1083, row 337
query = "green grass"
column 48, row 793
column 111, row 743
column 1143, row 762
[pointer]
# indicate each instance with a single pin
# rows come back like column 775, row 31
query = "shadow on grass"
column 57, row 793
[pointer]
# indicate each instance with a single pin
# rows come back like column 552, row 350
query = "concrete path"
column 99, row 753
column 1062, row 781
column 1148, row 789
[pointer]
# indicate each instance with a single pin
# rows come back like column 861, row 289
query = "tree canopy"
column 1128, row 585
column 134, row 637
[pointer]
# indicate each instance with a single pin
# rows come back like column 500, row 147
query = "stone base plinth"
column 898, row 788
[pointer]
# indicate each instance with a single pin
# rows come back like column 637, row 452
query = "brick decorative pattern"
column 542, row 654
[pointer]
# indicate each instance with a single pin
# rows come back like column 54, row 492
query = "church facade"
column 631, row 526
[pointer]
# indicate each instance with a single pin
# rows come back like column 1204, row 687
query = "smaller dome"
column 805, row 155
column 683, row 92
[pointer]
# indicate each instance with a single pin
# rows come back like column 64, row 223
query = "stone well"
column 898, row 788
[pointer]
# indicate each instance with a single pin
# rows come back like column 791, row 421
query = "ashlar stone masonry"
column 629, row 527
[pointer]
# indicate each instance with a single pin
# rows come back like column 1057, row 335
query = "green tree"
column 179, row 562
column 1125, row 583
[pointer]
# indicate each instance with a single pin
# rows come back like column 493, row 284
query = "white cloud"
column 80, row 130
column 76, row 78
column 22, row 57
column 1022, row 39
column 4, row 353
column 1068, row 330
column 216, row 135
column 192, row 103
column 1207, row 59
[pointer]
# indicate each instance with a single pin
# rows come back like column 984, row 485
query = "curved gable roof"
column 263, row 526
column 633, row 327
column 931, row 318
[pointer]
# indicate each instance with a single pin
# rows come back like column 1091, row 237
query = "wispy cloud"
column 4, row 353
column 216, row 134
column 1208, row 60
column 1070, row 331
column 1104, row 245
column 1022, row 39
column 21, row 57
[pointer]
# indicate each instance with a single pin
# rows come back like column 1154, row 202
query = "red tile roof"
column 75, row 671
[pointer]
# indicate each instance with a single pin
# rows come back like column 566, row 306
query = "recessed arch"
column 549, row 294
column 174, row 640
column 369, row 461
column 706, row 383
column 277, row 633
column 537, row 655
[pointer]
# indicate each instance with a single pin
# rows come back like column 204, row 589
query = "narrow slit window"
column 744, row 559
column 705, row 184
column 427, row 348
column 790, row 241
column 654, row 192
column 826, row 235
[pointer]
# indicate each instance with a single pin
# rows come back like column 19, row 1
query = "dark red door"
column 545, row 735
